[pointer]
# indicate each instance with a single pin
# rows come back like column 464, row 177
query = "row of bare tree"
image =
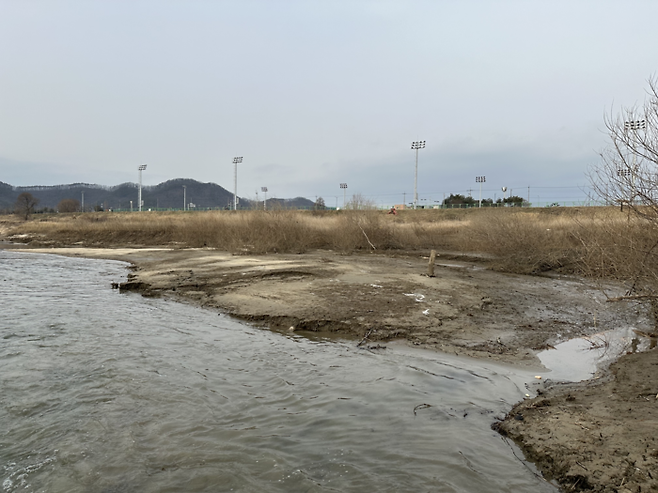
column 26, row 205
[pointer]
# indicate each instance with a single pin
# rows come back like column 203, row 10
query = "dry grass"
column 598, row 242
column 248, row 231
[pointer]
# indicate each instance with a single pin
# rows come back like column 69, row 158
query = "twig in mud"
column 365, row 338
column 573, row 486
column 421, row 406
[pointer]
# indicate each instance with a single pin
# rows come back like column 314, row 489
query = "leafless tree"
column 359, row 202
column 627, row 176
column 25, row 204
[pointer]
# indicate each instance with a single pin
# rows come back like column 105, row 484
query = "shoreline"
column 588, row 436
column 465, row 309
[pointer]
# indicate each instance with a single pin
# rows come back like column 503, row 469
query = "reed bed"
column 243, row 232
column 598, row 242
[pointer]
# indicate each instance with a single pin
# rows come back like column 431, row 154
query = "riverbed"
column 110, row 392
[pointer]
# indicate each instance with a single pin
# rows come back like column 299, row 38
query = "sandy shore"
column 589, row 437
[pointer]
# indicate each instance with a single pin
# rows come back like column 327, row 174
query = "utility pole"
column 236, row 161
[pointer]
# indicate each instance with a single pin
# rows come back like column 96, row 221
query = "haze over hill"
column 167, row 195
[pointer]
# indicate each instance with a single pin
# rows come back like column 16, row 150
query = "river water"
column 108, row 392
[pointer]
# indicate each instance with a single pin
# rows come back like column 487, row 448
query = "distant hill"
column 166, row 195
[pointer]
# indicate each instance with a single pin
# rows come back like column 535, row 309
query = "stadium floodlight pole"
column 344, row 187
column 236, row 161
column 420, row 144
column 480, row 180
column 634, row 125
column 264, row 190
column 184, row 197
column 141, row 168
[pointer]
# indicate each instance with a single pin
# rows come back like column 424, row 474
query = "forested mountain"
column 166, row 195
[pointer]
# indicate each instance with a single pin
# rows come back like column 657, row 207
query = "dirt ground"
column 594, row 436
column 597, row 436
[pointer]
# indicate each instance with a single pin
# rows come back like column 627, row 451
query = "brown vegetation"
column 596, row 242
column 68, row 205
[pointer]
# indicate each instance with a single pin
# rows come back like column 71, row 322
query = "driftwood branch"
column 364, row 234
column 421, row 406
column 635, row 297
column 365, row 338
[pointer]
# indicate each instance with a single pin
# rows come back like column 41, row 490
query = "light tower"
column 633, row 125
column 415, row 146
column 264, row 190
column 236, row 161
column 141, row 168
column 344, row 187
column 480, row 180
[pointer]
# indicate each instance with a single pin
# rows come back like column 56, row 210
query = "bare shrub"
column 619, row 246
column 358, row 202
column 521, row 241
column 68, row 205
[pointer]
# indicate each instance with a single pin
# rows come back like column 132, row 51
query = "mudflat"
column 593, row 436
column 464, row 308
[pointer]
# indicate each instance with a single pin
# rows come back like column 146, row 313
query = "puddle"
column 579, row 359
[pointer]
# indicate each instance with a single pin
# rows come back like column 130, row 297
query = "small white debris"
column 376, row 286
column 426, row 312
column 538, row 377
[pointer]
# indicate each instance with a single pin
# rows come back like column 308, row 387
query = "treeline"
column 468, row 201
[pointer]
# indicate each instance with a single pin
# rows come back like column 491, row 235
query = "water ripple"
column 109, row 392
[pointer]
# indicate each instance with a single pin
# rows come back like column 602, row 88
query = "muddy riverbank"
column 465, row 309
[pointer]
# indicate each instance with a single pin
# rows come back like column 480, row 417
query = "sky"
column 316, row 93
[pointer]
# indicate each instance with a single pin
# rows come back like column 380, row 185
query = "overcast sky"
column 315, row 93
